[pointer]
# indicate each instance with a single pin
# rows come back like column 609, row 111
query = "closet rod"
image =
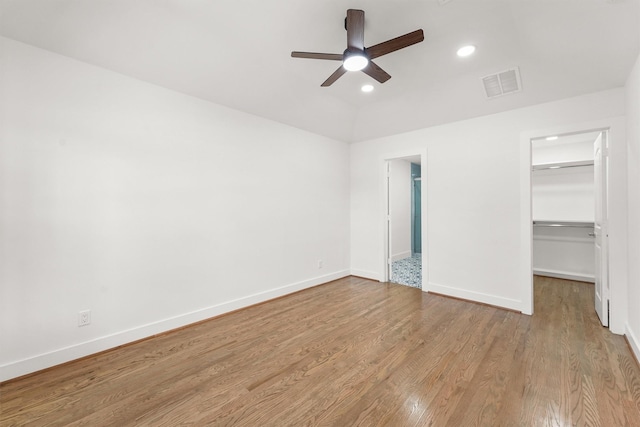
column 562, row 224
column 562, row 165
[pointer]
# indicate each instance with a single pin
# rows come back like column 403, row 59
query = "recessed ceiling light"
column 551, row 138
column 466, row 51
column 367, row 88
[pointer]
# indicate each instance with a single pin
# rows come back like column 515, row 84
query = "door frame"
column 384, row 219
column 616, row 204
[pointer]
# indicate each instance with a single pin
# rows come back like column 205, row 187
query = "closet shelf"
column 577, row 224
column 562, row 165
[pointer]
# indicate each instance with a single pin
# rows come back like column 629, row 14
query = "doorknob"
column 592, row 234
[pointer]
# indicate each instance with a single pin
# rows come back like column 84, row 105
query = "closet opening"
column 569, row 211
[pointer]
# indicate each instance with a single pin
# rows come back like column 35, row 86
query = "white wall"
column 633, row 157
column 400, row 187
column 563, row 194
column 566, row 152
column 150, row 208
column 564, row 252
column 473, row 190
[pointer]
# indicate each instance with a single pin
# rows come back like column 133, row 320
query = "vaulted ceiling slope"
column 237, row 53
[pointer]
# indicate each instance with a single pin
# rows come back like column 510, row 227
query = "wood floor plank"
column 354, row 352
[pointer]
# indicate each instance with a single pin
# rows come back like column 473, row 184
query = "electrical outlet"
column 84, row 317
column 320, row 263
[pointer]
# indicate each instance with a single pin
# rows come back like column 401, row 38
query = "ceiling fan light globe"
column 355, row 62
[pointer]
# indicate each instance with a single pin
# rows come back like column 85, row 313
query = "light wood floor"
column 354, row 352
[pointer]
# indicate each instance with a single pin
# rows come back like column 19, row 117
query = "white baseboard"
column 67, row 354
column 633, row 341
column 373, row 275
column 565, row 275
column 401, row 255
column 507, row 303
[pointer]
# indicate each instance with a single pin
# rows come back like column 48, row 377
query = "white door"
column 600, row 229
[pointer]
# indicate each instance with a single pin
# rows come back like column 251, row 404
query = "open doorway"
column 569, row 210
column 404, row 221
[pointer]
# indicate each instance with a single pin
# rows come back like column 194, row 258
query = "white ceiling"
column 237, row 53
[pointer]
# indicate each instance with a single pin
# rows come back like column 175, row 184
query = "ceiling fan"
column 357, row 57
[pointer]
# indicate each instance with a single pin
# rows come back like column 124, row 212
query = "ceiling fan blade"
column 355, row 29
column 315, row 55
column 376, row 72
column 395, row 44
column 335, row 76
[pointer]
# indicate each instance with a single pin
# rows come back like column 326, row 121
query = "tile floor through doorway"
column 408, row 271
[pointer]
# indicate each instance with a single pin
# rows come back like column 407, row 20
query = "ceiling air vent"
column 502, row 83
